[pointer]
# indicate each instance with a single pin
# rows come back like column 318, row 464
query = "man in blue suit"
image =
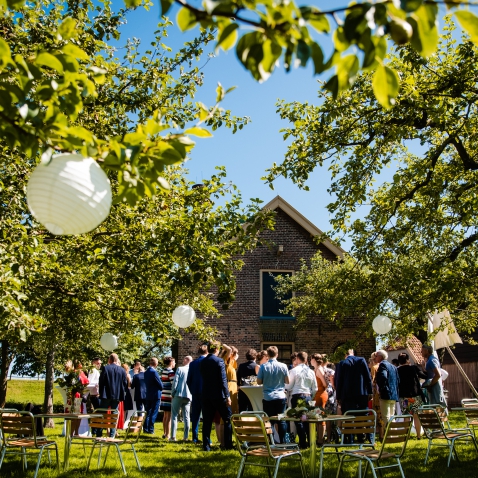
column 113, row 386
column 353, row 382
column 353, row 385
column 215, row 396
column 139, row 386
column 154, row 386
column 194, row 383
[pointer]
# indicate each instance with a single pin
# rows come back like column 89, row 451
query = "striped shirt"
column 167, row 377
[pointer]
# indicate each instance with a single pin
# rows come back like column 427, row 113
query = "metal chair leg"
column 38, row 463
column 242, row 465
column 428, row 451
column 120, row 456
column 24, row 457
column 339, row 469
column 4, row 450
column 135, row 456
column 302, row 467
column 276, row 469
column 91, row 454
column 401, row 469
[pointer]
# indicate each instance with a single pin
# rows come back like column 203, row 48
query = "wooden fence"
column 456, row 385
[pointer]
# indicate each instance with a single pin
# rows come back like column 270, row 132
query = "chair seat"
column 80, row 438
column 448, row 435
column 372, row 454
column 109, row 440
column 274, row 451
column 29, row 443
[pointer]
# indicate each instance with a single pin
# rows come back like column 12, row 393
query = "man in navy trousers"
column 154, row 387
column 215, row 396
column 194, row 383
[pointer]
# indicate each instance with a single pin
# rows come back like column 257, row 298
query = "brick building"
column 254, row 320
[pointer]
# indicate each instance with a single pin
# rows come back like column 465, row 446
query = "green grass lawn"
column 25, row 391
column 162, row 459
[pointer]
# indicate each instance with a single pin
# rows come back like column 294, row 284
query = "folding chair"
column 365, row 421
column 109, row 419
column 130, row 438
column 397, row 431
column 22, row 426
column 434, row 429
column 471, row 413
column 253, row 440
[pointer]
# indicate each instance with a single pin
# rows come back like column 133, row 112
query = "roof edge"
column 279, row 202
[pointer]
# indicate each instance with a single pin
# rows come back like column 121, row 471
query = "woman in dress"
column 128, row 400
column 409, row 389
column 261, row 358
column 167, row 377
column 376, row 394
column 321, row 397
column 331, row 405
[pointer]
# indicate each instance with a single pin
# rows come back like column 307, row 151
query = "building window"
column 285, row 350
column 270, row 305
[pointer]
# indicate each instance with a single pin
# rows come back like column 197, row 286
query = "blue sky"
column 249, row 152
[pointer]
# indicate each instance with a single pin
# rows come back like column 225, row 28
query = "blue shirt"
column 432, row 364
column 273, row 374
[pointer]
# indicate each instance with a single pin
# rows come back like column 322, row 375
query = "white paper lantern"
column 109, row 341
column 70, row 195
column 184, row 316
column 382, row 324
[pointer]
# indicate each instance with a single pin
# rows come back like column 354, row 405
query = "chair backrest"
column 471, row 414
column 365, row 421
column 108, row 419
column 469, row 402
column 250, row 428
column 397, row 431
column 135, row 426
column 431, row 421
column 441, row 412
column 17, row 423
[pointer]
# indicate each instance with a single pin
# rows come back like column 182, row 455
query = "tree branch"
column 463, row 245
column 468, row 162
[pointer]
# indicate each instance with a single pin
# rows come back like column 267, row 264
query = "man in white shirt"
column 302, row 385
column 93, row 383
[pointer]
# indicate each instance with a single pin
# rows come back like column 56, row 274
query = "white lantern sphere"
column 109, row 341
column 382, row 324
column 184, row 316
column 69, row 195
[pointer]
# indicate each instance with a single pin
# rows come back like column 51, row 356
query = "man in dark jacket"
column 246, row 369
column 215, row 396
column 113, row 386
column 387, row 380
column 353, row 382
column 194, row 383
column 139, row 386
column 154, row 387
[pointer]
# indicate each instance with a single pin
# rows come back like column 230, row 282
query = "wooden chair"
column 22, row 426
column 253, row 440
column 471, row 413
column 397, row 431
column 365, row 422
column 108, row 420
column 130, row 439
column 432, row 424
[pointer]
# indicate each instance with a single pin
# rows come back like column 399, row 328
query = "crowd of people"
column 210, row 385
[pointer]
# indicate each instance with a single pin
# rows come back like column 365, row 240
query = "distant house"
column 254, row 320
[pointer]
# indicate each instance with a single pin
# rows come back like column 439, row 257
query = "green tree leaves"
column 385, row 85
column 469, row 22
column 415, row 246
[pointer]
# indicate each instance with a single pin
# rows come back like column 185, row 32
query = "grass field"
column 25, row 391
column 163, row 459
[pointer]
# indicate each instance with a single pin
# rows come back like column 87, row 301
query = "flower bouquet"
column 305, row 410
column 408, row 406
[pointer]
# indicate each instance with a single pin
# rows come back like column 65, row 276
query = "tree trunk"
column 49, row 381
column 7, row 359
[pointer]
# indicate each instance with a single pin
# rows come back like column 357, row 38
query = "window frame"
column 261, row 315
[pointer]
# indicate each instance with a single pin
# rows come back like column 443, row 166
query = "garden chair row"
column 18, row 434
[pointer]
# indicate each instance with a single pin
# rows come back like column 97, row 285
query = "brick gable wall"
column 240, row 325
